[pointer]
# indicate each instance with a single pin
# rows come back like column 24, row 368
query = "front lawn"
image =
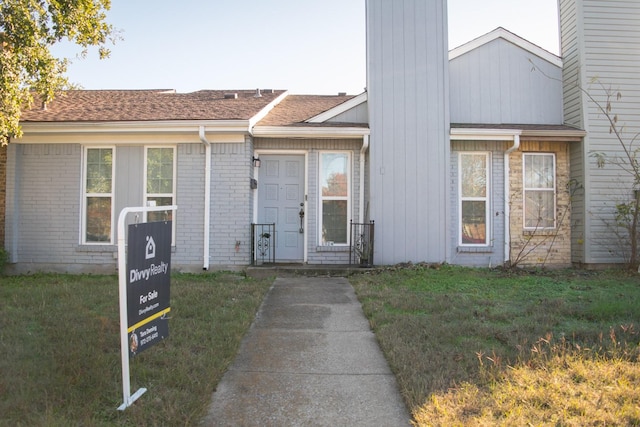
column 489, row 347
column 60, row 350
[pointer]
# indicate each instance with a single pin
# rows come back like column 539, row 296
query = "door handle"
column 301, row 214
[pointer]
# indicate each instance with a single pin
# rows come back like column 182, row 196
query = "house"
column 460, row 156
column 601, row 56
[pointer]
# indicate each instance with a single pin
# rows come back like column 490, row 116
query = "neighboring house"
column 460, row 156
column 601, row 49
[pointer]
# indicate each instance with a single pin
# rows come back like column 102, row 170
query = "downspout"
column 363, row 151
column 507, row 184
column 207, row 198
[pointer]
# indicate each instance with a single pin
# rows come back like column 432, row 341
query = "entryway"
column 281, row 194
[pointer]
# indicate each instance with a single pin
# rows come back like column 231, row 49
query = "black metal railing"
column 263, row 244
column 362, row 241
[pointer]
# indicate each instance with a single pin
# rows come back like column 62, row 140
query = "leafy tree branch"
column 28, row 30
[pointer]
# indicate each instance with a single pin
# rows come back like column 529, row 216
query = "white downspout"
column 507, row 184
column 207, row 197
column 363, row 150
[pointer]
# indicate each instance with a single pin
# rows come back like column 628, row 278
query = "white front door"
column 280, row 201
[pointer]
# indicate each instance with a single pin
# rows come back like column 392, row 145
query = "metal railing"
column 263, row 244
column 362, row 243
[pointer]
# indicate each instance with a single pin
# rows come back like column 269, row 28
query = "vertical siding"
column 408, row 112
column 129, row 178
column 604, row 40
column 494, row 84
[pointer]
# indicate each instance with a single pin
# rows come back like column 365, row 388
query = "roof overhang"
column 309, row 132
column 132, row 132
column 488, row 134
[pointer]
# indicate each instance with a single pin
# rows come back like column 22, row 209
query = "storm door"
column 281, row 201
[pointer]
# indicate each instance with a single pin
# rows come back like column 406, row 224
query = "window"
column 334, row 198
column 474, row 202
column 539, row 171
column 98, row 195
column 160, row 182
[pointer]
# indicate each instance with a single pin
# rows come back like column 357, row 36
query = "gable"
column 354, row 110
column 505, row 80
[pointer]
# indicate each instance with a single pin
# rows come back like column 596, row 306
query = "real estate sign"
column 148, row 279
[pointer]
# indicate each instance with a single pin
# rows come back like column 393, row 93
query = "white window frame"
column 486, row 199
column 322, row 198
column 543, row 189
column 86, row 196
column 147, row 195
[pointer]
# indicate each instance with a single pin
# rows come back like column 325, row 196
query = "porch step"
column 288, row 270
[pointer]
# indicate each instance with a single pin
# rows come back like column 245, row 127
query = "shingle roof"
column 150, row 105
column 295, row 109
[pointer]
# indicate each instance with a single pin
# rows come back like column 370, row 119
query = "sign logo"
column 150, row 250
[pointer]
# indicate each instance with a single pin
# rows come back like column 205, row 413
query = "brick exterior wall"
column 3, row 191
column 540, row 248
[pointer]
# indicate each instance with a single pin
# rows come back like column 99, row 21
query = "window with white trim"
column 539, row 184
column 98, row 195
column 160, row 183
column 335, row 193
column 473, row 176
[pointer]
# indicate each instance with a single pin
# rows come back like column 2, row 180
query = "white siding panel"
column 358, row 114
column 494, row 83
column 407, row 86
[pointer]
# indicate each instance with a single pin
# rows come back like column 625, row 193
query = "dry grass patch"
column 462, row 341
column 570, row 388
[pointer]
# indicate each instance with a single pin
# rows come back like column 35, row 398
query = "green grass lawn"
column 489, row 347
column 60, row 349
column 468, row 347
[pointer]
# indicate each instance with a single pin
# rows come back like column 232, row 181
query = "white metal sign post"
column 128, row 399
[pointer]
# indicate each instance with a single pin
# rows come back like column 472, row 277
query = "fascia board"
column 470, row 134
column 510, row 37
column 339, row 109
column 177, row 126
column 483, row 134
column 304, row 132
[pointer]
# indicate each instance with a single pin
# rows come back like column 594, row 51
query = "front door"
column 281, row 200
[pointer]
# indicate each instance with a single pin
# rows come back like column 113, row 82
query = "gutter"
column 207, row 197
column 507, row 184
column 363, row 150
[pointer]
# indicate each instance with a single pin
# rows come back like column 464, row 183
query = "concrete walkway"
column 309, row 359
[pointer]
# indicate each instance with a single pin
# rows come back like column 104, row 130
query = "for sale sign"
column 148, row 279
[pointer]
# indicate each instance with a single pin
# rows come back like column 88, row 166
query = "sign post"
column 144, row 275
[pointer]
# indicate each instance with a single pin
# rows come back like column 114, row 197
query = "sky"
column 307, row 47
